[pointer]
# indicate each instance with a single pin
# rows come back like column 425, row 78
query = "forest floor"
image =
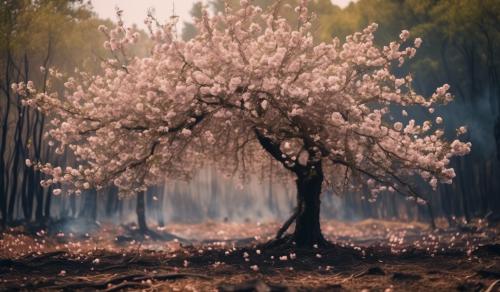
column 370, row 255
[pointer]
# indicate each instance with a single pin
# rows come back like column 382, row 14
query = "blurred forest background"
column 461, row 40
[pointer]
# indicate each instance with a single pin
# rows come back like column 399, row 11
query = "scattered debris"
column 362, row 253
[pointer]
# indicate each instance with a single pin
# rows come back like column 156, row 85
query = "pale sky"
column 135, row 11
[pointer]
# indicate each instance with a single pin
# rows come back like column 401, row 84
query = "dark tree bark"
column 39, row 207
column 159, row 207
column 141, row 213
column 27, row 174
column 16, row 170
column 112, row 201
column 463, row 186
column 3, row 144
column 72, row 204
column 154, row 196
column 89, row 207
column 48, row 204
column 309, row 182
column 307, row 225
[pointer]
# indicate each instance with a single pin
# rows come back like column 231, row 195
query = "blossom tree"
column 250, row 86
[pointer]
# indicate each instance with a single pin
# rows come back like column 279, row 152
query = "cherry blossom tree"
column 250, row 86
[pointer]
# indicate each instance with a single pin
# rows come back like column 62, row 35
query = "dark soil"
column 351, row 264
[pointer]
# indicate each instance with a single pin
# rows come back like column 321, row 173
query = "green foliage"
column 460, row 38
column 189, row 30
column 67, row 27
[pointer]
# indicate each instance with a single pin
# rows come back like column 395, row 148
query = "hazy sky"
column 135, row 11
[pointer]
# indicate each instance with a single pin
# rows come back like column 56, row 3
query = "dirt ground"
column 369, row 255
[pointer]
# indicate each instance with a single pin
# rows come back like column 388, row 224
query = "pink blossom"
column 418, row 42
column 207, row 101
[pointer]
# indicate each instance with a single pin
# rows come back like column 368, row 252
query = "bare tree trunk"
column 27, row 172
column 463, row 194
column 72, row 204
column 141, row 213
column 159, row 206
column 271, row 202
column 307, row 225
column 48, row 204
column 112, row 202
column 16, row 170
column 3, row 145
column 89, row 208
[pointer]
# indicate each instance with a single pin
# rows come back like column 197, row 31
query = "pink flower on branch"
column 243, row 91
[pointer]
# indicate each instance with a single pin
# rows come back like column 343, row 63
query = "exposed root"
column 492, row 286
column 126, row 285
column 287, row 224
column 290, row 241
column 277, row 242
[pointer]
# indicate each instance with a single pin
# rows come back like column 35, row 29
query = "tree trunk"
column 72, row 205
column 89, row 208
column 431, row 215
column 141, row 213
column 48, row 204
column 112, row 202
column 39, row 207
column 309, row 181
column 307, row 226
column 159, row 207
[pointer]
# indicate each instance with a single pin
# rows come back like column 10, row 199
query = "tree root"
column 126, row 285
column 288, row 241
column 492, row 286
column 29, row 258
column 286, row 225
column 140, row 235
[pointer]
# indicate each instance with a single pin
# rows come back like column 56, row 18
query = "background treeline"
column 36, row 34
column 461, row 39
